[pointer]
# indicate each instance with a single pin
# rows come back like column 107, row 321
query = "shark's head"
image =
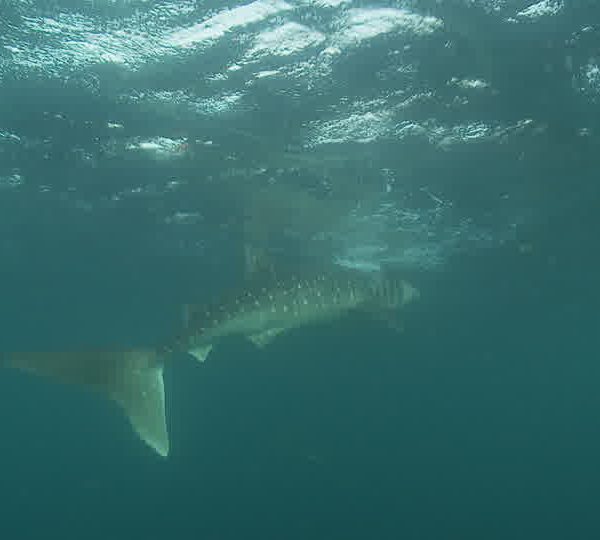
column 409, row 293
column 391, row 294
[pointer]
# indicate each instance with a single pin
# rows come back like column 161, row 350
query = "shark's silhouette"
column 134, row 378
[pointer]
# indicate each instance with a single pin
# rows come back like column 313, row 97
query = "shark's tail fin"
column 133, row 379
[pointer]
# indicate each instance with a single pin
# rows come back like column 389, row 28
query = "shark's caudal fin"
column 133, row 379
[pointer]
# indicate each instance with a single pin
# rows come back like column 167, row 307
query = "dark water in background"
column 480, row 419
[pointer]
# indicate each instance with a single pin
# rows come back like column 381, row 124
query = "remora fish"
column 134, row 378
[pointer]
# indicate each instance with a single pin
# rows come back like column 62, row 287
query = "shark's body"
column 288, row 304
column 134, row 378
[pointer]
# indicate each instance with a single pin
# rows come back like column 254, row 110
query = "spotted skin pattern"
column 288, row 304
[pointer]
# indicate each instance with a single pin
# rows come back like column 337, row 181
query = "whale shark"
column 133, row 378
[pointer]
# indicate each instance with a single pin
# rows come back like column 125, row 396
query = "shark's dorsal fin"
column 133, row 379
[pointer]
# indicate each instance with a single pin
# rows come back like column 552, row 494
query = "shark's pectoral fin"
column 264, row 338
column 133, row 379
column 200, row 353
